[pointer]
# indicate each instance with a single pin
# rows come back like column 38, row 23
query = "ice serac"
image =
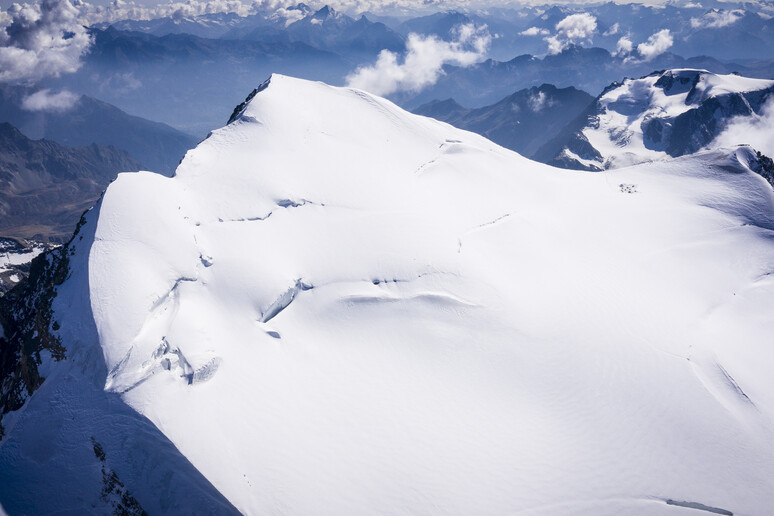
column 666, row 114
column 337, row 307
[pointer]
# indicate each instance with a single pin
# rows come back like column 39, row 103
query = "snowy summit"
column 338, row 307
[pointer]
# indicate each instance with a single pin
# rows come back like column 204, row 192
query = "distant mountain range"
column 188, row 70
column 588, row 69
column 665, row 114
column 156, row 146
column 188, row 81
column 325, row 29
column 711, row 28
column 522, row 121
column 205, row 26
column 44, row 186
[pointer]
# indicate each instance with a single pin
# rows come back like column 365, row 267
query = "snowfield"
column 337, row 307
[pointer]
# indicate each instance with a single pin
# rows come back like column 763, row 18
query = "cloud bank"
column 423, row 62
column 41, row 40
column 118, row 10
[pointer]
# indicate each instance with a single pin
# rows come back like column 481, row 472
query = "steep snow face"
column 673, row 113
column 337, row 307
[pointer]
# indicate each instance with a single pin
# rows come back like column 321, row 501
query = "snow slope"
column 337, row 307
column 672, row 113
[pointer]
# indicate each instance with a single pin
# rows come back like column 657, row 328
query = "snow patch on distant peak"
column 636, row 119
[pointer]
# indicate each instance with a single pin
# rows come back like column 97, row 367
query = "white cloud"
column 573, row 29
column 534, row 31
column 613, row 30
column 577, row 27
column 717, row 18
column 538, row 102
column 555, row 45
column 656, row 45
column 44, row 100
column 41, row 40
column 756, row 131
column 624, row 46
column 422, row 64
column 289, row 16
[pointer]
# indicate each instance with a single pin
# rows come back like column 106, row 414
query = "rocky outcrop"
column 30, row 329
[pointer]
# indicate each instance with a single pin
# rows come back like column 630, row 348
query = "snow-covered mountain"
column 667, row 113
column 338, row 307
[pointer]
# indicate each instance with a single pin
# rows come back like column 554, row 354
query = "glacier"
column 338, row 307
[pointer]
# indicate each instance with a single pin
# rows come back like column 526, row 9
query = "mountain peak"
column 10, row 133
column 324, row 13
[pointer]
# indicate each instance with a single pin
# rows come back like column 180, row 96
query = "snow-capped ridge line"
column 240, row 108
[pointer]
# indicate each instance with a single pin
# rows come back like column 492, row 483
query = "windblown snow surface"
column 337, row 307
column 617, row 131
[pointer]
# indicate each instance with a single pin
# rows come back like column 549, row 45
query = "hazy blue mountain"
column 440, row 24
column 268, row 27
column 752, row 37
column 325, row 29
column 205, row 26
column 44, row 186
column 506, row 40
column 187, row 81
column 157, row 147
column 522, row 121
column 588, row 69
column 722, row 31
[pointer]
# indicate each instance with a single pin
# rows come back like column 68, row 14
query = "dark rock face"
column 26, row 317
column 520, row 122
column 764, row 166
column 583, row 149
column 697, row 127
column 44, row 187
